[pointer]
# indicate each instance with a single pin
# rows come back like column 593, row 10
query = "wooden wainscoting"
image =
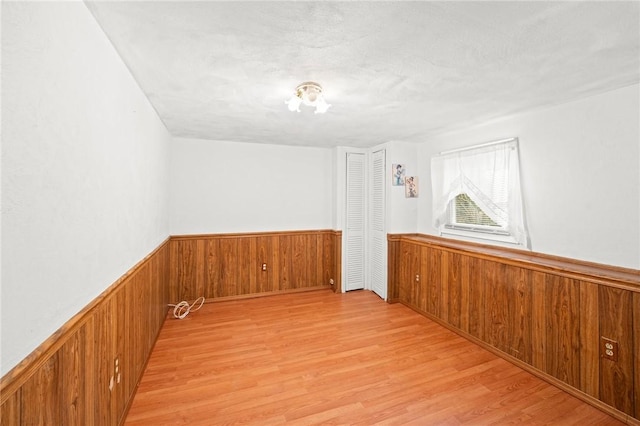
column 544, row 313
column 66, row 380
column 223, row 266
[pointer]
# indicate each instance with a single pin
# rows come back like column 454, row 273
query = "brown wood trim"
column 635, row 311
column 614, row 276
column 251, row 234
column 19, row 374
column 337, row 244
column 619, row 415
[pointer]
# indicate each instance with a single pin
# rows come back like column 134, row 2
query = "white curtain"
column 490, row 176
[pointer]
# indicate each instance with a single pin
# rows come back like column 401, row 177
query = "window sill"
column 474, row 236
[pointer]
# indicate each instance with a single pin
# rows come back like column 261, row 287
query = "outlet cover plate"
column 608, row 349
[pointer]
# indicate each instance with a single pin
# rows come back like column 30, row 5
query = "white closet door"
column 377, row 228
column 355, row 222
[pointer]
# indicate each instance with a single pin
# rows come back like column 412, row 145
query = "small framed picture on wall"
column 397, row 171
column 411, row 187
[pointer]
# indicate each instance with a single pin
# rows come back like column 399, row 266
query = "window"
column 465, row 212
column 476, row 193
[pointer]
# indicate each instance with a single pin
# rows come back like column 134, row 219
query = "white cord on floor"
column 183, row 308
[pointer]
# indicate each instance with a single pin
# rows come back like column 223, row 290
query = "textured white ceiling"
column 391, row 70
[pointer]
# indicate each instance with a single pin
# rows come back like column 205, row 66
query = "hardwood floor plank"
column 326, row 358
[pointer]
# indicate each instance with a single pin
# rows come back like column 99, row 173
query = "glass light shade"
column 310, row 94
column 321, row 106
column 294, row 103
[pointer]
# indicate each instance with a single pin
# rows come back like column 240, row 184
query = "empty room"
column 320, row 212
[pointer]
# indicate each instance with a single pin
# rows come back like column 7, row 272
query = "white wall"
column 580, row 165
column 84, row 170
column 402, row 212
column 221, row 187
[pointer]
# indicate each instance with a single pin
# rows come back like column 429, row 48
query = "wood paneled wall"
column 66, row 380
column 542, row 312
column 230, row 265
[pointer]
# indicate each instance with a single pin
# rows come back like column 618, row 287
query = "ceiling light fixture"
column 310, row 94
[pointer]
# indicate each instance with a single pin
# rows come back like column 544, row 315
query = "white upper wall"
column 227, row 187
column 402, row 212
column 84, row 170
column 580, row 165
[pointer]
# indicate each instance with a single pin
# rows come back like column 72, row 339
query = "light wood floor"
column 325, row 358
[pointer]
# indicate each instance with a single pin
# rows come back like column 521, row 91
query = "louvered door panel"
column 378, row 252
column 355, row 222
